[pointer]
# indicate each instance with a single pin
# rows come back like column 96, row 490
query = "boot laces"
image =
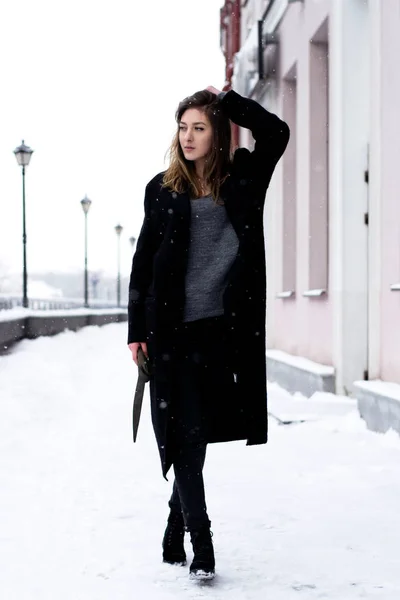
column 202, row 543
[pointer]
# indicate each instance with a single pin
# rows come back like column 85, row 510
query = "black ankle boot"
column 173, row 548
column 203, row 565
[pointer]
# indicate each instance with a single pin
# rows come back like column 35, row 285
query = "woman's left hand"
column 213, row 90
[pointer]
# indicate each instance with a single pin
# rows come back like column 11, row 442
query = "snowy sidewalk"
column 313, row 514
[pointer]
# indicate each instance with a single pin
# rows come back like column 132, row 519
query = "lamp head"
column 23, row 154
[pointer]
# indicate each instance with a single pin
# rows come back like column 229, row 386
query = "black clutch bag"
column 143, row 377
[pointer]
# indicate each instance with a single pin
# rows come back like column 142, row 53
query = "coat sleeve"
column 270, row 133
column 141, row 273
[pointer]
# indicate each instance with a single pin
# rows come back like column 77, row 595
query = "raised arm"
column 141, row 273
column 270, row 133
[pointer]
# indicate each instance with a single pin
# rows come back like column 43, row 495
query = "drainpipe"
column 230, row 12
column 236, row 47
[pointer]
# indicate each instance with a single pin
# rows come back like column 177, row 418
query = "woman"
column 197, row 300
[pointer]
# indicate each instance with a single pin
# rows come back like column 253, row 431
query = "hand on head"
column 214, row 90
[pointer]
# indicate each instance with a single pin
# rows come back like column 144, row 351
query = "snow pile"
column 300, row 362
column 381, row 388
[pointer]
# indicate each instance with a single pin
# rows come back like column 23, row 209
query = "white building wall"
column 374, row 197
column 349, row 118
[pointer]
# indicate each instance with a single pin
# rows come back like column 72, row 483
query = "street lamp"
column 85, row 206
column 118, row 231
column 132, row 241
column 23, row 155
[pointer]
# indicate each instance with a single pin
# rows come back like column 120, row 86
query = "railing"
column 8, row 302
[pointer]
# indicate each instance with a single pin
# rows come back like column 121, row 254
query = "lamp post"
column 118, row 231
column 85, row 203
column 23, row 155
column 132, row 241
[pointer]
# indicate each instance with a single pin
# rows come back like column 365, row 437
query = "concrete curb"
column 32, row 326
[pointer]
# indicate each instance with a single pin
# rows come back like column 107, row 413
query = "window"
column 289, row 209
column 319, row 139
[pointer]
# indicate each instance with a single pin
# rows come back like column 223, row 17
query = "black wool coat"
column 157, row 283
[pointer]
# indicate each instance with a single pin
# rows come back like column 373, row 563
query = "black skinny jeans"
column 189, row 416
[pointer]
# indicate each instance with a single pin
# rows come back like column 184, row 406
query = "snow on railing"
column 9, row 302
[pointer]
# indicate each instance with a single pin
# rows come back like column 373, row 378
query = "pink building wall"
column 355, row 325
column 390, row 190
column 303, row 325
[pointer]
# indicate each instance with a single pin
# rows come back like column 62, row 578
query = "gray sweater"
column 213, row 249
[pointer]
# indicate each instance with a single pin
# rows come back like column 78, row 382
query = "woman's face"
column 195, row 134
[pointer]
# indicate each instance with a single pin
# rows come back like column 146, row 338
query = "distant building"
column 332, row 220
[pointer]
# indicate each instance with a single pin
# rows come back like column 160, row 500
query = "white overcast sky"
column 92, row 86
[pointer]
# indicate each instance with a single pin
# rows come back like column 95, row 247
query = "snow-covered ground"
column 313, row 514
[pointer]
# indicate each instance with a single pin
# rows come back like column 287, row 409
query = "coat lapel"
column 232, row 203
column 185, row 206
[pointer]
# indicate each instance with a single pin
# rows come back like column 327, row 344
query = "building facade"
column 332, row 217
